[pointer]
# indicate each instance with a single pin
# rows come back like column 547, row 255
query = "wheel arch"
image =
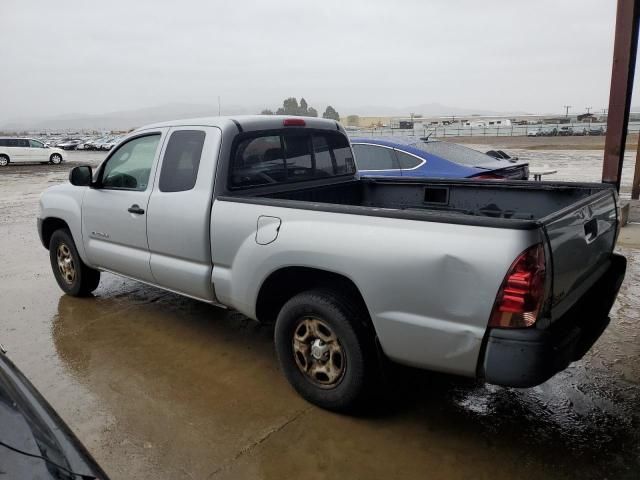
column 284, row 283
column 49, row 226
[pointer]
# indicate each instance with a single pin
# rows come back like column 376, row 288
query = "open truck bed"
column 523, row 204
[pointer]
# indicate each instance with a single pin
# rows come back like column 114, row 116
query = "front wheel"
column 326, row 349
column 55, row 159
column 73, row 276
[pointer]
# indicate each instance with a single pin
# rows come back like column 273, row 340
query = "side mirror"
column 81, row 176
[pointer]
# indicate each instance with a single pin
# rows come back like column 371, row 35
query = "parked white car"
column 111, row 143
column 24, row 150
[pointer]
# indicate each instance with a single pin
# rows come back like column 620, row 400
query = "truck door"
column 114, row 213
column 179, row 211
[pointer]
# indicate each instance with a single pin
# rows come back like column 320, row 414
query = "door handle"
column 135, row 208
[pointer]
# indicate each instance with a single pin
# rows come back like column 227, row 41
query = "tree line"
column 290, row 106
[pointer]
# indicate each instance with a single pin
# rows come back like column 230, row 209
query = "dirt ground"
column 595, row 142
column 158, row 386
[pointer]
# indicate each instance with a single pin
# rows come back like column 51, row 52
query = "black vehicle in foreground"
column 34, row 441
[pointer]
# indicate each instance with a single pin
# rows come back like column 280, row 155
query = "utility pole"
column 566, row 110
column 588, row 109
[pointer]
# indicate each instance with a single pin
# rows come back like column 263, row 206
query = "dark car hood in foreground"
column 28, row 423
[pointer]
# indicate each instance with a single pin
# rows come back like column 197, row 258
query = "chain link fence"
column 542, row 130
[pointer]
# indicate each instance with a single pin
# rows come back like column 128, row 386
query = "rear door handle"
column 135, row 208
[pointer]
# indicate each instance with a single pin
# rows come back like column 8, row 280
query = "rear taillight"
column 488, row 176
column 520, row 297
column 293, row 122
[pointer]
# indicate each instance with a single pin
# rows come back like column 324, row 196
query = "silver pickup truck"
column 506, row 281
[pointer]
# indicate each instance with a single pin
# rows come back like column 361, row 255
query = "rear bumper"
column 528, row 357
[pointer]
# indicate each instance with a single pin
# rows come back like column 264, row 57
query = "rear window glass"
column 181, row 161
column 298, row 154
column 454, row 153
column 290, row 157
column 345, row 164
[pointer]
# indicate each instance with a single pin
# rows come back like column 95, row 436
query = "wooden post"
column 622, row 73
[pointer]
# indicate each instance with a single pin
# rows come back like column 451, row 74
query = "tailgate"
column 581, row 239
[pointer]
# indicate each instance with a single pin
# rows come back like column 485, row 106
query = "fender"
column 65, row 202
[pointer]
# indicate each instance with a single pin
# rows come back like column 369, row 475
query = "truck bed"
column 513, row 204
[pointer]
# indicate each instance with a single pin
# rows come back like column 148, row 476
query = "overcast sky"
column 61, row 57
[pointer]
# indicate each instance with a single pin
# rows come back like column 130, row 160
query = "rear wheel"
column 73, row 276
column 4, row 160
column 326, row 349
column 55, row 159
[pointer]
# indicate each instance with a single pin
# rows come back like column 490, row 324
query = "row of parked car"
column 566, row 131
column 102, row 143
column 32, row 150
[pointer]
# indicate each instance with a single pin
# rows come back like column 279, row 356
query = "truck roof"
column 248, row 122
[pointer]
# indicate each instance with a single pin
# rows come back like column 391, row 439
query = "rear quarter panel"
column 429, row 287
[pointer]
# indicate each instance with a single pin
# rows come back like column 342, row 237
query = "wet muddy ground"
column 159, row 386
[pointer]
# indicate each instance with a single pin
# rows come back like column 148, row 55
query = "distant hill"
column 126, row 119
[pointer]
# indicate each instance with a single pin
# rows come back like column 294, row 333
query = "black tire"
column 4, row 160
column 84, row 279
column 55, row 159
column 356, row 343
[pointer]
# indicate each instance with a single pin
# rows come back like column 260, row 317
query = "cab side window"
column 130, row 166
column 181, row 161
column 35, row 144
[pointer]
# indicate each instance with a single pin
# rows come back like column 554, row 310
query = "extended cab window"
column 290, row 157
column 181, row 161
column 130, row 166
